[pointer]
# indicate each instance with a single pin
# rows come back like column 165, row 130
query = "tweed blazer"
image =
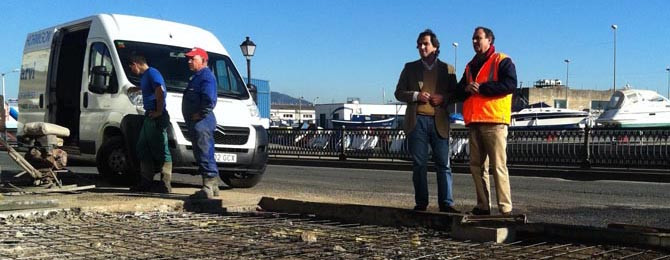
column 408, row 84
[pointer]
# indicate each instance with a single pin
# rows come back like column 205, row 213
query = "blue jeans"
column 202, row 141
column 423, row 136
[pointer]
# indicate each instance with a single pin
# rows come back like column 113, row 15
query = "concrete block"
column 205, row 206
column 483, row 234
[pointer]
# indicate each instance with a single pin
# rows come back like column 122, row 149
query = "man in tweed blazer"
column 426, row 85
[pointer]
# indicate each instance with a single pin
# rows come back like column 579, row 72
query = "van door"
column 34, row 76
column 98, row 92
column 65, row 80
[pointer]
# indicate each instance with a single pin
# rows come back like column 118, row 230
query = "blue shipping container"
column 262, row 96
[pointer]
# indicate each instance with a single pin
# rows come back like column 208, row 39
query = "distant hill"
column 283, row 99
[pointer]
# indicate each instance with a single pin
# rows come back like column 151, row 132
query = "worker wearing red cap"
column 197, row 108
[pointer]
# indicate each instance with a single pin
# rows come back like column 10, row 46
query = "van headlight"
column 253, row 110
column 135, row 96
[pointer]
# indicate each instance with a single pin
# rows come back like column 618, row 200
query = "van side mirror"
column 253, row 90
column 99, row 76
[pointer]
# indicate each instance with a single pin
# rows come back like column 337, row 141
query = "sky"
column 329, row 50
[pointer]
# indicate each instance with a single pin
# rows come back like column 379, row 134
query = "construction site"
column 106, row 224
column 50, row 211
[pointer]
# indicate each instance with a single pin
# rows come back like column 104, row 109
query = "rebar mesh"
column 183, row 235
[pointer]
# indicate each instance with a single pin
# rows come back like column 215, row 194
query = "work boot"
column 146, row 178
column 166, row 179
column 210, row 189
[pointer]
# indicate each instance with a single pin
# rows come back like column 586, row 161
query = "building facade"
column 291, row 115
column 562, row 97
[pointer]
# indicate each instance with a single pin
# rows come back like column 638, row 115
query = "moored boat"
column 543, row 116
column 636, row 108
column 363, row 121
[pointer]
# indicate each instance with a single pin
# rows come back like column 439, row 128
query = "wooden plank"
column 42, row 190
column 32, row 204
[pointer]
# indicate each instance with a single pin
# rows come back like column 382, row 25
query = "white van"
column 76, row 75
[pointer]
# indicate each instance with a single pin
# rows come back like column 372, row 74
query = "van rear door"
column 34, row 77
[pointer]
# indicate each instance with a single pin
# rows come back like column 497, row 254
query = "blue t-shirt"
column 151, row 79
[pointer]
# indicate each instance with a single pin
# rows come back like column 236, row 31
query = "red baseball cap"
column 197, row 51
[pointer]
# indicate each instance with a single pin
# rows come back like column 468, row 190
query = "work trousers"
column 490, row 141
column 202, row 140
column 152, row 144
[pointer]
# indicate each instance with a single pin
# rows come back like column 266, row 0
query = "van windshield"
column 173, row 65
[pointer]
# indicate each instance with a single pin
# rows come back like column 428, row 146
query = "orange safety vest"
column 483, row 109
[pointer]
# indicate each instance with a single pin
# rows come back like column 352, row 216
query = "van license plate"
column 225, row 157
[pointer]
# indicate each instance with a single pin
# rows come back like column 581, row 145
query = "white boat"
column 543, row 116
column 456, row 121
column 364, row 121
column 636, row 108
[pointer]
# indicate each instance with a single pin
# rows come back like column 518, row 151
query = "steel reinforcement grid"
column 604, row 147
column 262, row 236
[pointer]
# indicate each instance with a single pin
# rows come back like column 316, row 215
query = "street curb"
column 361, row 214
column 498, row 232
column 570, row 173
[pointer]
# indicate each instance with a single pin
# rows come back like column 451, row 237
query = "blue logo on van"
column 39, row 39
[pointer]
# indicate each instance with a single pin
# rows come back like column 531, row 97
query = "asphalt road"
column 553, row 200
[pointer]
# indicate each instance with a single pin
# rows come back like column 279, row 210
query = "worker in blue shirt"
column 152, row 145
column 197, row 108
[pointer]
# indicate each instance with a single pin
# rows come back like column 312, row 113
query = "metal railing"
column 605, row 147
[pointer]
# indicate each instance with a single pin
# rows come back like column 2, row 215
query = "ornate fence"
column 607, row 147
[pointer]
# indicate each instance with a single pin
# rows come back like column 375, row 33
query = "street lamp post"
column 668, row 70
column 300, row 111
column 4, row 99
column 567, row 80
column 314, row 106
column 248, row 48
column 614, row 27
column 3, row 82
column 455, row 44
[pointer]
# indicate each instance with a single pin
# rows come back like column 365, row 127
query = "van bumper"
column 249, row 161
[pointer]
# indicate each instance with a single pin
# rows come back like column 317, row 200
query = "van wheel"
column 241, row 180
column 111, row 161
